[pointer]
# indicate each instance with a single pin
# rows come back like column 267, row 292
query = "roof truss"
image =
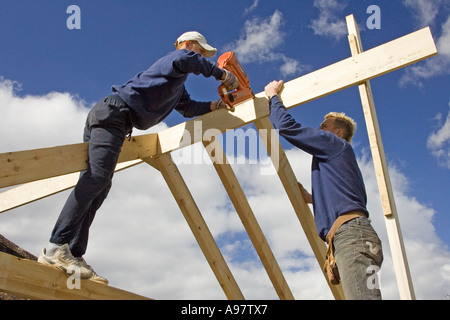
column 51, row 170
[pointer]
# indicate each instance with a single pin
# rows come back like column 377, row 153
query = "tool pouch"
column 330, row 267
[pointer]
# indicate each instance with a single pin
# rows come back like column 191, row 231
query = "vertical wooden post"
column 198, row 225
column 240, row 202
column 399, row 258
column 290, row 184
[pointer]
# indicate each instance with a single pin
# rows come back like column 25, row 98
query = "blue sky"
column 41, row 60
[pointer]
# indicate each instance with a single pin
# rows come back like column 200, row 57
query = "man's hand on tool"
column 230, row 80
column 219, row 104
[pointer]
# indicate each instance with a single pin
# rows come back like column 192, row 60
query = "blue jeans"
column 107, row 125
column 358, row 254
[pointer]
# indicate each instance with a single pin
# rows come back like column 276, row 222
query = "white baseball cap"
column 196, row 36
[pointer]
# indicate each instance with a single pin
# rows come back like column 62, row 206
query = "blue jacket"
column 154, row 93
column 337, row 183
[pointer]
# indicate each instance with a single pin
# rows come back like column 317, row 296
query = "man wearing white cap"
column 195, row 37
column 142, row 102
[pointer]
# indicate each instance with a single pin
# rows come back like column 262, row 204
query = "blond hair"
column 344, row 122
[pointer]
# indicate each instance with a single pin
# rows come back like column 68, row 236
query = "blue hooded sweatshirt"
column 337, row 183
column 152, row 94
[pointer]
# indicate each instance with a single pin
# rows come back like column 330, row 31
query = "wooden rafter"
column 199, row 228
column 245, row 212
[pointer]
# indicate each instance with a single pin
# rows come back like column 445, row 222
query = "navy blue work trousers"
column 107, row 125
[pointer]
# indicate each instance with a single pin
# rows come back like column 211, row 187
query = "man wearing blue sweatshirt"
column 338, row 196
column 142, row 102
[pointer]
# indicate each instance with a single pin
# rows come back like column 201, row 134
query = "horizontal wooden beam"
column 391, row 56
column 36, row 190
column 32, row 280
column 31, row 165
column 358, row 69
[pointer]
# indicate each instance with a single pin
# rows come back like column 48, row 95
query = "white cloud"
column 439, row 142
column 259, row 38
column 260, row 41
column 330, row 22
column 443, row 43
column 252, row 7
column 141, row 242
column 425, row 11
column 435, row 66
column 39, row 121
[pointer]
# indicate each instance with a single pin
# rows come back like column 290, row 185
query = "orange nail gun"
column 243, row 92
